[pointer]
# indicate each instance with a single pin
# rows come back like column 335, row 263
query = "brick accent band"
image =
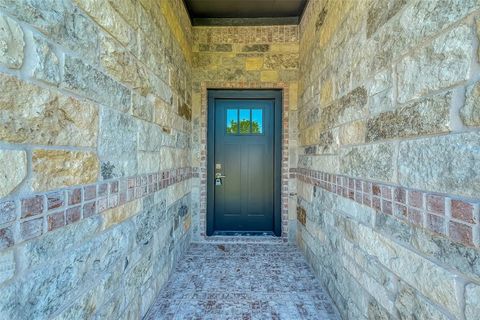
column 450, row 216
column 45, row 212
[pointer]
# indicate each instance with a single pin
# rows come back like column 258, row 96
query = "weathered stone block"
column 7, row 265
column 352, row 133
column 7, row 212
column 449, row 164
column 58, row 168
column 376, row 162
column 11, row 43
column 470, row 112
column 410, row 304
column 116, row 215
column 47, row 67
column 142, row 107
column 281, row 61
column 256, row 48
column 107, row 18
column 380, row 12
column 12, row 171
column 269, row 76
column 84, row 79
column 472, row 301
column 424, row 117
column 253, row 63
column 122, row 65
column 60, row 21
column 442, row 64
column 118, row 142
column 48, row 117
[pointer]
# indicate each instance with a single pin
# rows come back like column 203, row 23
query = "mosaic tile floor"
column 242, row 281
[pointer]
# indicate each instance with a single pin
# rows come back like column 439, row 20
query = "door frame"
column 239, row 94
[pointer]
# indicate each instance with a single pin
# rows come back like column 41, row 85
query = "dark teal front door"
column 243, row 175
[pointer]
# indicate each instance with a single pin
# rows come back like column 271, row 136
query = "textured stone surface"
column 107, row 18
column 7, row 265
column 11, row 43
column 380, row 12
column 56, row 169
column 472, row 298
column 84, row 79
column 444, row 63
column 118, row 142
column 371, row 162
column 58, row 20
column 47, row 66
column 13, row 170
column 47, row 117
column 444, row 164
column 122, row 65
column 425, row 117
column 470, row 112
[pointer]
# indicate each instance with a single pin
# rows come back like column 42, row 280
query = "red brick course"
column 419, row 208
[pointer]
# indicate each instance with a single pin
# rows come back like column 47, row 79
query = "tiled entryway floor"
column 242, row 281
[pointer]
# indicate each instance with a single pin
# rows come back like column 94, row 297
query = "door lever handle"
column 219, row 175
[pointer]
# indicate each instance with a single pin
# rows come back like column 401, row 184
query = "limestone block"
column 269, row 76
column 436, row 283
column 350, row 107
column 374, row 162
column 12, row 171
column 448, row 252
column 47, row 67
column 7, row 265
column 57, row 169
column 116, row 215
column 470, row 112
column 127, row 9
column 43, row 291
column 352, row 133
column 472, row 301
column 142, row 107
column 11, row 43
column 380, row 12
column 151, row 137
column 44, row 249
column 107, row 18
column 424, row 117
column 411, row 304
column 60, row 21
column 253, row 63
column 449, row 164
column 84, row 79
column 118, row 142
column 122, row 65
column 443, row 63
column 281, row 61
column 47, row 117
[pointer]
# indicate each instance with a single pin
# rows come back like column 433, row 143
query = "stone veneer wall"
column 389, row 164
column 264, row 57
column 94, row 155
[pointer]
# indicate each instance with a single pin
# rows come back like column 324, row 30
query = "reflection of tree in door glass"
column 257, row 121
column 251, row 121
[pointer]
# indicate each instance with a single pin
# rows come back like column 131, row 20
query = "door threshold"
column 244, row 234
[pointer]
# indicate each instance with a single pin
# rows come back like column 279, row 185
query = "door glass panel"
column 244, row 121
column 232, row 121
column 257, row 121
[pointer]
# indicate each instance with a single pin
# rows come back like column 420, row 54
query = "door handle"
column 219, row 176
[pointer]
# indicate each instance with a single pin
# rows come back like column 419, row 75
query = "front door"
column 243, row 175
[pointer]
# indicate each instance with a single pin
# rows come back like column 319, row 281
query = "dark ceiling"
column 244, row 12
